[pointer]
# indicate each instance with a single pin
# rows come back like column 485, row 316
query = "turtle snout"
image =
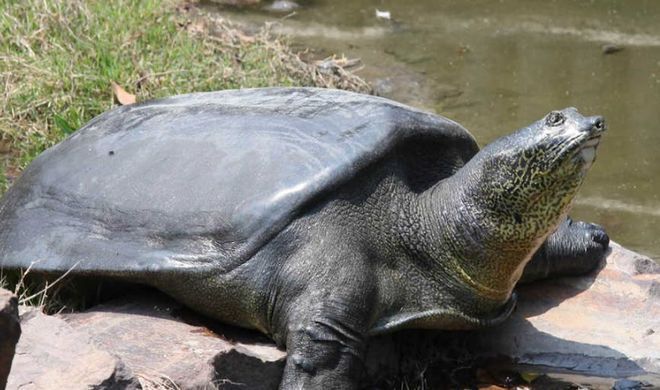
column 594, row 128
column 596, row 124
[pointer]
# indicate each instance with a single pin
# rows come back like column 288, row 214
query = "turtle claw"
column 575, row 248
column 599, row 235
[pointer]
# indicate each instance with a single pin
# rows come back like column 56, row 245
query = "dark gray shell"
column 207, row 179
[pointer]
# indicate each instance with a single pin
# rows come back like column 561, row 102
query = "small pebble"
column 629, row 384
column 611, row 48
column 282, row 6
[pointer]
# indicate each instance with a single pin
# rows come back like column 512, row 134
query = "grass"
column 39, row 293
column 58, row 59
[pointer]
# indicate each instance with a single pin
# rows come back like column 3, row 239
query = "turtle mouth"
column 587, row 151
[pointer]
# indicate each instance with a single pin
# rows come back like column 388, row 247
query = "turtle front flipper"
column 575, row 248
column 324, row 353
column 323, row 316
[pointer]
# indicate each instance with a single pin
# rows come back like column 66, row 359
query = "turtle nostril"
column 599, row 124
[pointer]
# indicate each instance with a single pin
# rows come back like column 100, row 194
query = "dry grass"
column 156, row 382
column 329, row 73
column 39, row 292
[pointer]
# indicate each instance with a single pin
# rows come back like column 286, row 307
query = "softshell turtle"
column 319, row 217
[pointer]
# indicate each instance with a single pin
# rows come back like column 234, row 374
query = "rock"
column 281, row 6
column 610, row 48
column 627, row 384
column 10, row 331
column 605, row 324
column 148, row 334
column 53, row 355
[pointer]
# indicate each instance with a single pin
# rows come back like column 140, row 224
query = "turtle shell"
column 206, row 179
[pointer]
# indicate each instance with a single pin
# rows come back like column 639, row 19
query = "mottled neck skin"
column 480, row 237
column 485, row 222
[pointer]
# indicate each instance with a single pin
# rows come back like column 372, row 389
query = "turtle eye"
column 555, row 118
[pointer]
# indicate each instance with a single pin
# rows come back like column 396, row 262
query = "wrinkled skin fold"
column 318, row 217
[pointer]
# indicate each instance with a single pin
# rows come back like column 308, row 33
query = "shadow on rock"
column 602, row 325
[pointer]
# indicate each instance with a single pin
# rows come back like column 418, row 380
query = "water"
column 496, row 66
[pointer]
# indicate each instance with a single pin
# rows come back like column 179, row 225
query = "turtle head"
column 496, row 211
column 530, row 177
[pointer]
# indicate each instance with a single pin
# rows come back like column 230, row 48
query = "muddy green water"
column 495, row 66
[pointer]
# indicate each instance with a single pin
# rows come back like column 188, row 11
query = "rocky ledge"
column 10, row 331
column 605, row 326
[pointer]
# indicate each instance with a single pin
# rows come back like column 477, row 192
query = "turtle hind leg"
column 575, row 248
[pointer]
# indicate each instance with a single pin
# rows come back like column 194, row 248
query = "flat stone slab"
column 10, row 331
column 606, row 324
column 53, row 355
column 150, row 337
